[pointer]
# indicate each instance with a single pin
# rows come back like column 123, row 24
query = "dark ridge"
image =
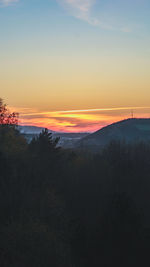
column 129, row 130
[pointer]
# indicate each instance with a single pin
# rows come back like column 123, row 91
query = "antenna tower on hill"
column 132, row 114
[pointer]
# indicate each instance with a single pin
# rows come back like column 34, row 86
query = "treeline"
column 63, row 208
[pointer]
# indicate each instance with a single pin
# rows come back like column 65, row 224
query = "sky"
column 75, row 65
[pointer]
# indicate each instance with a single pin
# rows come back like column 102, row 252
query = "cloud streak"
column 79, row 120
column 81, row 9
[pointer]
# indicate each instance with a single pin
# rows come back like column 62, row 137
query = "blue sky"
column 114, row 15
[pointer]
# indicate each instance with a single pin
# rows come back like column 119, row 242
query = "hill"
column 130, row 131
column 31, row 129
column 67, row 140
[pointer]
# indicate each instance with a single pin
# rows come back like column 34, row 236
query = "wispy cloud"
column 81, row 9
column 7, row 2
column 78, row 120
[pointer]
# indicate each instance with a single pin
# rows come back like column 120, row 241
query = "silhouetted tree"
column 7, row 118
column 44, row 144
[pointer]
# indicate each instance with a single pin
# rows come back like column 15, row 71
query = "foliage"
column 6, row 117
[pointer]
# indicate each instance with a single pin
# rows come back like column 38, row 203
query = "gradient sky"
column 62, row 55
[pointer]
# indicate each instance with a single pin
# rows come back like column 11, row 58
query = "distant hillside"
column 31, row 129
column 130, row 131
column 67, row 140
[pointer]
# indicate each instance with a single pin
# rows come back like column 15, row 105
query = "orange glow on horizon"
column 86, row 120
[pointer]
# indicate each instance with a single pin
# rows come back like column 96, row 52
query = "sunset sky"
column 75, row 65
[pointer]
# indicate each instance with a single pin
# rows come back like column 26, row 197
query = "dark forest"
column 67, row 208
